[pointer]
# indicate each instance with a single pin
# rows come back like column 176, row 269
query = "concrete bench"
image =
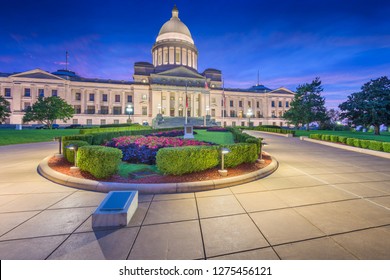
column 116, row 209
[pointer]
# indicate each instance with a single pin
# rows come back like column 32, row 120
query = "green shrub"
column 364, row 143
column 350, row 141
column 273, row 129
column 256, row 141
column 376, row 146
column 315, row 136
column 334, row 138
column 182, row 160
column 386, row 147
column 240, row 153
column 238, row 136
column 69, row 154
column 356, row 142
column 325, row 137
column 100, row 161
column 343, row 139
column 113, row 128
column 86, row 138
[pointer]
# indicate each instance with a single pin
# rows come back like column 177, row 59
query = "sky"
column 344, row 42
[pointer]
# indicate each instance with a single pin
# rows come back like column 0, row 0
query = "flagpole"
column 224, row 101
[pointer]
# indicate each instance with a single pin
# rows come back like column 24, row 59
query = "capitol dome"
column 175, row 29
column 174, row 45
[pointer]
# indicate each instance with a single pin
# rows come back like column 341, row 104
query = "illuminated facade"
column 171, row 86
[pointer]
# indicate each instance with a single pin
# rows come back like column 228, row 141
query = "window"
column 117, row 98
column 260, row 123
column 75, row 121
column 273, row 114
column 77, row 109
column 104, row 110
column 231, row 103
column 90, row 109
column 117, row 110
column 232, row 113
column 7, row 92
column 213, row 112
column 213, row 100
column 242, row 123
column 54, row 92
column 41, row 92
column 172, row 98
column 91, row 97
column 104, row 97
column 144, row 97
column 287, row 104
column 233, row 124
column 144, row 110
column 257, row 104
column 165, row 56
column 239, row 103
column 102, row 122
column 89, row 121
column 27, row 92
column 272, row 103
column 281, row 123
column 129, row 99
column 280, row 104
column 116, row 121
column 26, row 105
column 259, row 115
column 164, row 97
column 77, row 96
column 249, row 104
column 177, row 56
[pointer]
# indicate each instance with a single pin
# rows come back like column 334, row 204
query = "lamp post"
column 159, row 109
column 249, row 114
column 222, row 171
column 129, row 110
column 59, row 139
column 74, row 148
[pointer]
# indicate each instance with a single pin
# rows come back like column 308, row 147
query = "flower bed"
column 139, row 149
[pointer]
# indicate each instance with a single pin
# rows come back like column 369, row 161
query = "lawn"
column 215, row 137
column 12, row 136
column 384, row 137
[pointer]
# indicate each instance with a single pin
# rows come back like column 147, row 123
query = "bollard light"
column 74, row 147
column 59, row 139
column 224, row 151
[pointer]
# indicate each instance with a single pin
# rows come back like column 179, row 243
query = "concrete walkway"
column 322, row 203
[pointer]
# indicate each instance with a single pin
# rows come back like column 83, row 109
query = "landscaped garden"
column 159, row 155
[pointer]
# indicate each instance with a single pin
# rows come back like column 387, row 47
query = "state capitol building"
column 170, row 86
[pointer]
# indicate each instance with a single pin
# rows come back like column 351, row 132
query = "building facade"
column 171, row 86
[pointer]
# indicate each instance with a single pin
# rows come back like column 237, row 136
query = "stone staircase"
column 167, row 122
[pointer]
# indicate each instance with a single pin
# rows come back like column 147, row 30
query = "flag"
column 206, row 86
column 186, row 101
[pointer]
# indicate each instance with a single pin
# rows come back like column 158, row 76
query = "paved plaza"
column 321, row 203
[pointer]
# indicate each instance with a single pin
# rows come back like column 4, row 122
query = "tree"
column 4, row 109
column 48, row 109
column 308, row 105
column 333, row 118
column 370, row 106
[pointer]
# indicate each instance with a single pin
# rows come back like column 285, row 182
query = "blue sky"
column 345, row 43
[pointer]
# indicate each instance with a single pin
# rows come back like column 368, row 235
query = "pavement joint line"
column 200, row 228
column 338, row 188
column 33, row 237
column 242, row 251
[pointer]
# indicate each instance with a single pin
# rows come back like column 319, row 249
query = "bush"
column 112, row 128
column 274, row 129
column 100, row 161
column 256, row 141
column 315, row 136
column 325, row 137
column 386, row 147
column 69, row 154
column 240, row 153
column 334, row 138
column 238, row 136
column 343, row 139
column 86, row 138
column 119, row 125
column 356, row 142
column 178, row 161
column 376, row 146
column 350, row 141
column 364, row 144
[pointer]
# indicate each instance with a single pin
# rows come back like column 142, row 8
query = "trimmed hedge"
column 343, row 139
column 101, row 162
column 334, row 138
column 350, row 141
column 114, row 129
column 315, row 136
column 256, row 141
column 356, row 142
column 86, row 138
column 69, row 154
column 325, row 137
column 182, row 160
column 274, row 129
column 240, row 153
column 364, row 144
column 386, row 147
column 376, row 146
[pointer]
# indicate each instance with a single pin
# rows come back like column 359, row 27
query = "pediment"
column 282, row 90
column 180, row 72
column 37, row 74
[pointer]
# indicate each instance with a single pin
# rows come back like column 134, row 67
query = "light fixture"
column 59, row 139
column 222, row 171
column 249, row 114
column 129, row 110
column 74, row 148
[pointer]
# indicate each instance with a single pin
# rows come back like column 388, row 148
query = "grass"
column 214, row 137
column 12, row 136
column 384, row 137
column 127, row 169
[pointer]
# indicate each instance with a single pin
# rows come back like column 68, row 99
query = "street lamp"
column 249, row 114
column 59, row 139
column 74, row 148
column 129, row 110
column 159, row 108
column 222, row 171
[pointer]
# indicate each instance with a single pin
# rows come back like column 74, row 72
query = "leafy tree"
column 308, row 105
column 48, row 109
column 4, row 109
column 370, row 106
column 333, row 117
